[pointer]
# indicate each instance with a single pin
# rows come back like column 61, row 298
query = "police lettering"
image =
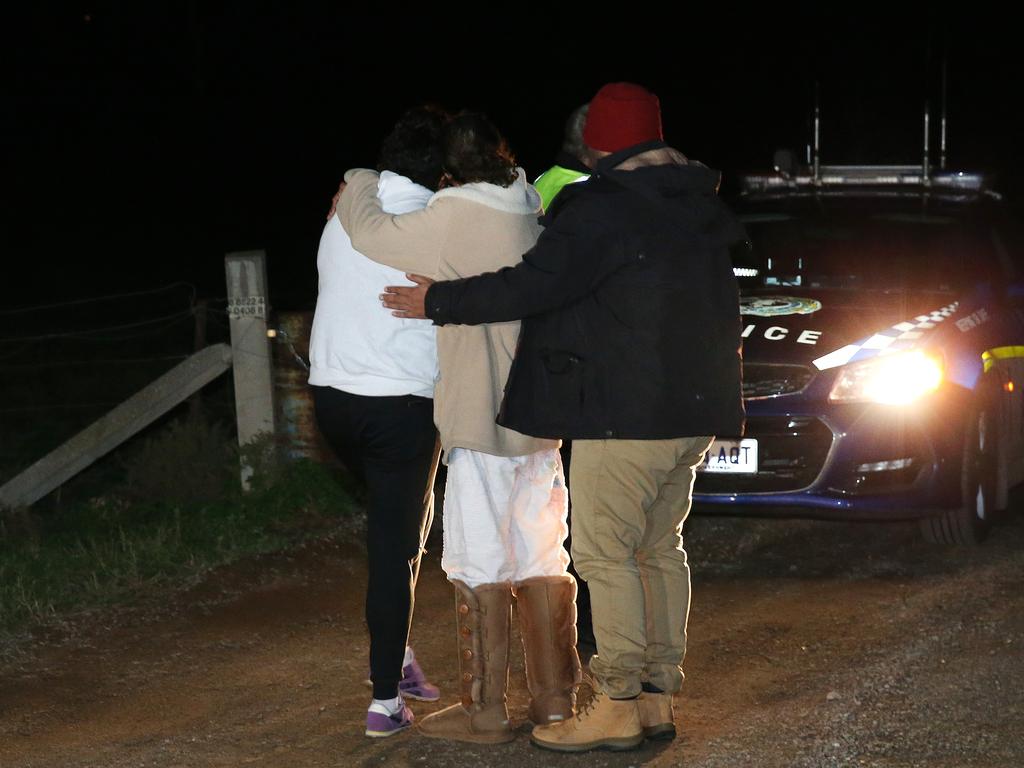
column 972, row 321
column 777, row 333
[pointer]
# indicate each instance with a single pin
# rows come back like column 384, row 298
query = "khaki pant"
column 629, row 501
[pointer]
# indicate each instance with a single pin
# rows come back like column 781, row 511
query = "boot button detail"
column 467, row 654
column 463, row 609
column 466, row 676
column 465, row 631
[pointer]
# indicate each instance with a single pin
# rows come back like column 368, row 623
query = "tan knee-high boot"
column 547, row 622
column 484, row 623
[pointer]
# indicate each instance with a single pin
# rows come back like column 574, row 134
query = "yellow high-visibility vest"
column 550, row 182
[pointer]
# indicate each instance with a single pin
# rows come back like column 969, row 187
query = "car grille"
column 791, row 452
column 769, row 380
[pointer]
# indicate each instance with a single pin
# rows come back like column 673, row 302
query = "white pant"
column 504, row 517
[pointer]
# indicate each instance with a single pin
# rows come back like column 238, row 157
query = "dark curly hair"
column 474, row 150
column 414, row 147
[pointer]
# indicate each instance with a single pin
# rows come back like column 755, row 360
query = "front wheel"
column 971, row 521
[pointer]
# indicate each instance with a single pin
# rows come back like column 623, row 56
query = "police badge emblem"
column 774, row 306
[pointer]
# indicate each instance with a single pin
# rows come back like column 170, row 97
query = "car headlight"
column 894, row 379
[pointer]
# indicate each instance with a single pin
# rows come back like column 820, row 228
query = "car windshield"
column 864, row 248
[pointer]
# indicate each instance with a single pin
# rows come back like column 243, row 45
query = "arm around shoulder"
column 566, row 264
column 410, row 241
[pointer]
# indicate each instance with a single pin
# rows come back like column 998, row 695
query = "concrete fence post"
column 246, row 274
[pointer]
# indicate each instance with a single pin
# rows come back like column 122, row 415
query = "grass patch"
column 176, row 513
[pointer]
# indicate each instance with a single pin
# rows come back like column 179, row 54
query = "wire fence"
column 100, row 299
column 75, row 361
column 91, row 361
column 57, row 380
column 98, row 350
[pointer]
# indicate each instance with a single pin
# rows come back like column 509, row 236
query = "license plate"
column 735, row 456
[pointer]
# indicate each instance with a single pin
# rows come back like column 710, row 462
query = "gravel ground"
column 811, row 644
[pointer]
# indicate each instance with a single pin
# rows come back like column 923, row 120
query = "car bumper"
column 853, row 462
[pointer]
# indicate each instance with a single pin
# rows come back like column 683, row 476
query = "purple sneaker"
column 379, row 725
column 414, row 685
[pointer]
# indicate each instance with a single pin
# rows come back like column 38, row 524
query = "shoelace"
column 590, row 704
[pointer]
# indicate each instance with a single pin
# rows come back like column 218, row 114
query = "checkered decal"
column 900, row 337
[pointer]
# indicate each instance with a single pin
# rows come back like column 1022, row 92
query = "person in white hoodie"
column 505, row 499
column 372, row 377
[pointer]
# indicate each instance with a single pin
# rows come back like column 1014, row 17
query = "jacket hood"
column 654, row 156
column 661, row 169
column 519, row 197
column 398, row 189
column 682, row 188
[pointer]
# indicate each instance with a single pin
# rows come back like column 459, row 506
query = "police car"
column 883, row 350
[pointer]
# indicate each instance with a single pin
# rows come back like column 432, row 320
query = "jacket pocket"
column 565, row 378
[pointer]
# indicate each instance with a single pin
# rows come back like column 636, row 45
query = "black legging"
column 388, row 442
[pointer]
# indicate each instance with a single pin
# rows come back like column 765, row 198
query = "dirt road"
column 811, row 644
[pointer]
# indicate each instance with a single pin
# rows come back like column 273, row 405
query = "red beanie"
column 621, row 115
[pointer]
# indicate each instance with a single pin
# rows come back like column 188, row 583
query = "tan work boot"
column 656, row 715
column 602, row 723
column 484, row 622
column 547, row 621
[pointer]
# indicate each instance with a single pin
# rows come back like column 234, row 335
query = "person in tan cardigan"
column 504, row 512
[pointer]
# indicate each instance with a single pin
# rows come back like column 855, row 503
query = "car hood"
column 828, row 327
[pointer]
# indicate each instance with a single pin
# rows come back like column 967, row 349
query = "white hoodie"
column 356, row 344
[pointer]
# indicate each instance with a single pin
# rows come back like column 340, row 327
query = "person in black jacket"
column 630, row 346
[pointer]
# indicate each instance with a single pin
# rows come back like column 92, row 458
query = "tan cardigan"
column 463, row 231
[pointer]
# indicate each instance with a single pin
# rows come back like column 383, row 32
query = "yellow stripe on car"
column 989, row 356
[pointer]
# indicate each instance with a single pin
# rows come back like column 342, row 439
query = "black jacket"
column 629, row 308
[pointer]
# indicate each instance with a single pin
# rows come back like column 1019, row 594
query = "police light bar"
column 864, row 175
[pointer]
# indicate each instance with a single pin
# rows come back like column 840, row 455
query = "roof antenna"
column 817, row 134
column 808, row 161
column 942, row 140
column 925, row 176
column 810, row 136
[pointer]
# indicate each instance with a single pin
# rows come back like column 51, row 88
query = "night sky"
column 142, row 141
